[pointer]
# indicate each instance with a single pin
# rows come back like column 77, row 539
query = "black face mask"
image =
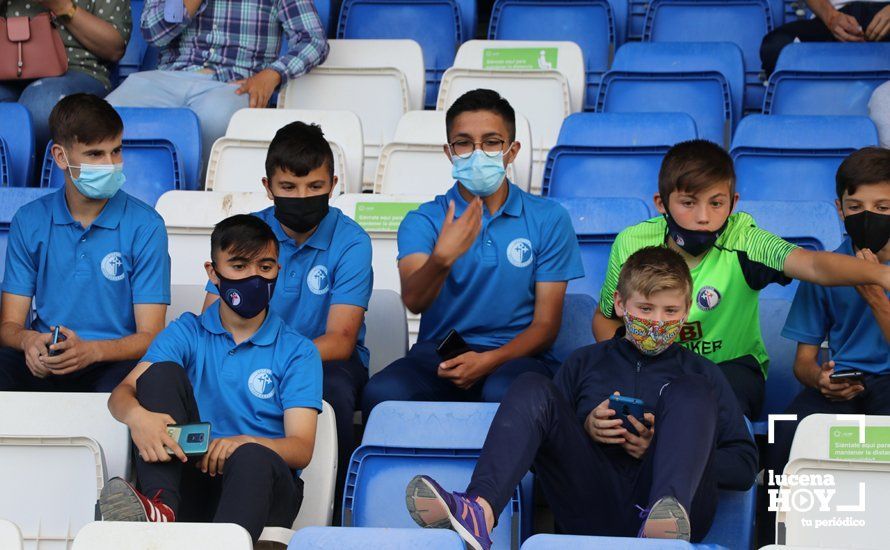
column 301, row 214
column 695, row 243
column 868, row 230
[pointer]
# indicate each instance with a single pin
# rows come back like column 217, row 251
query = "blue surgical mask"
column 248, row 297
column 98, row 181
column 481, row 174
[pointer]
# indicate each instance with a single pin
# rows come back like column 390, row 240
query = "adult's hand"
column 457, row 236
column 260, row 87
column 879, row 27
column 845, row 27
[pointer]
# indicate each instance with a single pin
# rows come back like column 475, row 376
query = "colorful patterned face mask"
column 652, row 337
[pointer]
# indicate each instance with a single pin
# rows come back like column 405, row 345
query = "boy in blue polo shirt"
column 854, row 319
column 487, row 260
column 92, row 258
column 326, row 278
column 253, row 378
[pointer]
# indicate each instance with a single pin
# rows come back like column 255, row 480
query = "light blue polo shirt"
column 840, row 313
column 332, row 267
column 489, row 295
column 88, row 279
column 244, row 388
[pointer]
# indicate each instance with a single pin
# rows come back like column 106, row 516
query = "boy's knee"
column 165, row 375
column 532, row 387
column 252, row 456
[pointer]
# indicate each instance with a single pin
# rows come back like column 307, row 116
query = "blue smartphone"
column 193, row 439
column 57, row 337
column 627, row 406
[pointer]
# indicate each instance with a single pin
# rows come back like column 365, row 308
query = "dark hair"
column 299, row 148
column 653, row 269
column 863, row 167
column 691, row 166
column 482, row 100
column 242, row 235
column 84, row 118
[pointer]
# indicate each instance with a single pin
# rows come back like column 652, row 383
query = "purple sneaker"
column 667, row 519
column 432, row 506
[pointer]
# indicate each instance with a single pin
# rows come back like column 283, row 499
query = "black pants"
column 592, row 489
column 343, row 384
column 257, row 489
column 98, row 377
column 812, row 30
column 746, row 379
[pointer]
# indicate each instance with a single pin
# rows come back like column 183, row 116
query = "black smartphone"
column 452, row 346
column 57, row 337
column 851, row 375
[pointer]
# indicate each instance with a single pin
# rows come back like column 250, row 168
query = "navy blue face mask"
column 247, row 297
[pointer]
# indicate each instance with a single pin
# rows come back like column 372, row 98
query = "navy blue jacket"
column 594, row 372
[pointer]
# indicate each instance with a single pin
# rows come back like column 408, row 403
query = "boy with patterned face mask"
column 657, row 480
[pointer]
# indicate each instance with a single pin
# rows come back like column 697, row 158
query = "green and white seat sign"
column 382, row 216
column 520, row 59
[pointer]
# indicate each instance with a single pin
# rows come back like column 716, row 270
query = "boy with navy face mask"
column 731, row 261
column 658, row 480
column 242, row 369
column 487, row 260
column 93, row 259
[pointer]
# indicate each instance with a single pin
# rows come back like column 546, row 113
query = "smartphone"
column 57, row 337
column 193, row 439
column 851, row 375
column 627, row 406
column 452, row 346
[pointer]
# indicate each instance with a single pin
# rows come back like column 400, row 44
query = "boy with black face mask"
column 242, row 369
column 854, row 320
column 731, row 260
column 326, row 279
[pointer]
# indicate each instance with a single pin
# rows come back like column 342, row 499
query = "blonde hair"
column 654, row 269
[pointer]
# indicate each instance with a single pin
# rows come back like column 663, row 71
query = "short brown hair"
column 84, row 118
column 691, row 166
column 866, row 166
column 653, row 269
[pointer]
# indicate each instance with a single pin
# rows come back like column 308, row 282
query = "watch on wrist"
column 67, row 14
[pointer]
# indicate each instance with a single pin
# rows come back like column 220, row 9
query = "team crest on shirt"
column 234, row 298
column 708, row 298
column 260, row 383
column 520, row 252
column 318, row 281
column 113, row 266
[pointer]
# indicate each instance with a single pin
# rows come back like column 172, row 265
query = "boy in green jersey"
column 730, row 259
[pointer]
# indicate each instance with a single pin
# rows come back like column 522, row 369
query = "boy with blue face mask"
column 487, row 260
column 93, row 259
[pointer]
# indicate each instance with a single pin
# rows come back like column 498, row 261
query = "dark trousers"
column 256, row 489
column 594, row 489
column 415, row 378
column 98, row 377
column 746, row 379
column 343, row 383
column 812, row 30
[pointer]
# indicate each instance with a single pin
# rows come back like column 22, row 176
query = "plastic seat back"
column 17, row 137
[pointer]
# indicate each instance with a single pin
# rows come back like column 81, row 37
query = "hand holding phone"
column 193, row 439
column 627, row 406
column 57, row 337
column 452, row 346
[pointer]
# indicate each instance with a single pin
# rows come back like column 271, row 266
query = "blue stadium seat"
column 139, row 55
column 792, row 10
column 17, row 137
column 592, row 24
column 597, row 221
column 356, row 538
column 795, row 157
column 404, row 439
column 612, row 154
column 825, row 78
column 733, row 525
column 561, row 542
column 434, row 24
column 743, row 22
column 575, row 331
column 781, row 385
column 705, row 80
column 468, row 18
column 327, row 12
column 162, row 152
column 11, row 199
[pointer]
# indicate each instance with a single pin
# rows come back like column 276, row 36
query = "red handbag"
column 31, row 48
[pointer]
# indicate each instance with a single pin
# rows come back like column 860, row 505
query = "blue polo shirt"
column 332, row 267
column 88, row 279
column 489, row 295
column 840, row 313
column 244, row 388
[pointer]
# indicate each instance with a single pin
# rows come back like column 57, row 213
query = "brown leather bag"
column 31, row 48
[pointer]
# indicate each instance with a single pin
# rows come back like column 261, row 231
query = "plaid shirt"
column 238, row 38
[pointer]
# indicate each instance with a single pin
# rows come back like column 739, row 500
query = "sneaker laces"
column 644, row 512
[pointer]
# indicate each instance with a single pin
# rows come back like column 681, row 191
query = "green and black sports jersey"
column 724, row 322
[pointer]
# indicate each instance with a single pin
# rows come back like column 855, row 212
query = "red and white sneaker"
column 120, row 501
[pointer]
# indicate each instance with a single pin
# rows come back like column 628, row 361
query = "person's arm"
column 812, row 374
column 603, row 327
column 422, row 275
column 343, row 325
column 831, row 269
column 96, row 34
column 875, row 296
column 844, row 27
column 159, row 32
column 466, row 369
column 14, row 310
